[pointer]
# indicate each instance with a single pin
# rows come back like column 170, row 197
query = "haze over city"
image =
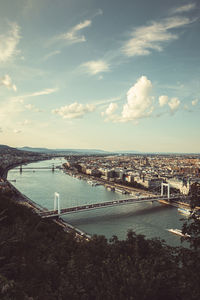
column 113, row 75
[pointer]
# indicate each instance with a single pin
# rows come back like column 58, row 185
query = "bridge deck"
column 53, row 213
column 37, row 168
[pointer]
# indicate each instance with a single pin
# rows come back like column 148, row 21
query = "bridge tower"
column 57, row 202
column 168, row 189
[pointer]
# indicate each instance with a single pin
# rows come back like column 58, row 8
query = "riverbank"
column 4, row 171
column 121, row 188
column 36, row 208
column 144, row 218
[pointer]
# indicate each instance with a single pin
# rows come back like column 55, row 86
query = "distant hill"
column 6, row 149
column 76, row 151
column 128, row 152
column 65, row 151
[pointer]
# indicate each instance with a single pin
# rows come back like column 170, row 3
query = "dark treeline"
column 38, row 260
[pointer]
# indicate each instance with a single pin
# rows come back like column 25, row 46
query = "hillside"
column 65, row 151
column 40, row 261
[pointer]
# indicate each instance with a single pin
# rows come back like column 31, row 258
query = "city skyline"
column 117, row 75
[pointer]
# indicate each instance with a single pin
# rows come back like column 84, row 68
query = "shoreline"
column 128, row 189
column 4, row 172
column 114, row 185
column 22, row 199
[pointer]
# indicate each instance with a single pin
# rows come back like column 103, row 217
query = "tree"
column 192, row 226
column 195, row 195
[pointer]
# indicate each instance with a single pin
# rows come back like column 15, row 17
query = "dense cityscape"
column 142, row 171
column 145, row 171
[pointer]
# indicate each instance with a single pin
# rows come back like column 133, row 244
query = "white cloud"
column 32, row 108
column 195, row 102
column 184, row 8
column 174, row 104
column 53, row 53
column 144, row 39
column 41, row 93
column 139, row 101
column 73, row 35
column 74, row 110
column 8, row 42
column 96, row 66
column 110, row 109
column 105, row 101
column 36, row 94
column 163, row 100
column 140, row 104
column 7, row 82
column 17, row 131
column 109, row 112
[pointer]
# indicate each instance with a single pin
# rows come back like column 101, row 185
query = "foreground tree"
column 38, row 260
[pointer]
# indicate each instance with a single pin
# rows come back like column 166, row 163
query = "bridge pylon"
column 168, row 189
column 57, row 202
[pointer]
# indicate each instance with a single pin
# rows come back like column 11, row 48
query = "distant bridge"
column 52, row 168
column 37, row 168
column 59, row 212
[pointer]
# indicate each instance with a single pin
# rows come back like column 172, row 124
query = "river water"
column 151, row 220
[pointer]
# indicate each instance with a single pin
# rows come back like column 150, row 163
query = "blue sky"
column 113, row 75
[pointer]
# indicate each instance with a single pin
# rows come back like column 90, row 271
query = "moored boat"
column 178, row 232
column 184, row 211
column 120, row 191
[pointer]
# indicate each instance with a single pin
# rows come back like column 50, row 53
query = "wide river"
column 151, row 220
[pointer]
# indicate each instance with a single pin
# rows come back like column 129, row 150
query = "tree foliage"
column 38, row 260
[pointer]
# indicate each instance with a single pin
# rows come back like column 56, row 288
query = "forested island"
column 38, row 260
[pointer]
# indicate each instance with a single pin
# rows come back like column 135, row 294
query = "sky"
column 111, row 75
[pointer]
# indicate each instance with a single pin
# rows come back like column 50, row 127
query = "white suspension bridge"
column 57, row 211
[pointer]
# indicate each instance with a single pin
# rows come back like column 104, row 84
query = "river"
column 151, row 220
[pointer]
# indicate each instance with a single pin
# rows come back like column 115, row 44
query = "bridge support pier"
column 57, row 202
column 168, row 189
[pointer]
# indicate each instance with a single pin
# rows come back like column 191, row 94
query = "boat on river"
column 110, row 188
column 93, row 183
column 184, row 211
column 178, row 232
column 120, row 191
